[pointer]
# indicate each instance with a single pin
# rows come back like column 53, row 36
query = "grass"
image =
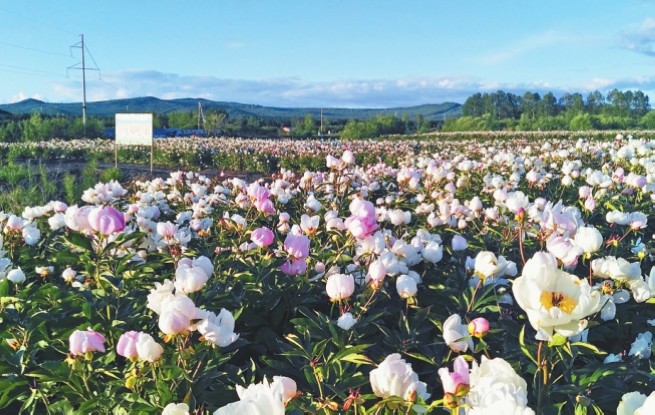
column 33, row 184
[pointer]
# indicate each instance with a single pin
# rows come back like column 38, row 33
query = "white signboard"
column 134, row 129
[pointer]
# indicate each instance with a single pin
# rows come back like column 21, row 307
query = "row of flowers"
column 475, row 278
column 269, row 156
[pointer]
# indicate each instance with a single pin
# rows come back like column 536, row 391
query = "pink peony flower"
column 456, row 382
column 126, row 346
column 297, row 246
column 262, row 236
column 377, row 271
column 106, row 220
column 295, row 267
column 265, row 206
column 81, row 342
column 362, row 221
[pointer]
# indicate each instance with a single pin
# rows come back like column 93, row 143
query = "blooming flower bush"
column 459, row 276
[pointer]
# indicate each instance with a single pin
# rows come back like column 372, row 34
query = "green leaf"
column 358, row 359
column 558, row 340
column 524, row 348
column 79, row 241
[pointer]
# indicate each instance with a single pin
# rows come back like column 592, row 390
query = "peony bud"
column 478, row 327
column 82, row 342
column 340, row 286
column 406, row 286
column 126, row 346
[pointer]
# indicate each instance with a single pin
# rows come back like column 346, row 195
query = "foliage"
column 499, row 110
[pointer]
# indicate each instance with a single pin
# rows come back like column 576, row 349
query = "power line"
column 28, row 71
column 41, row 24
column 34, row 49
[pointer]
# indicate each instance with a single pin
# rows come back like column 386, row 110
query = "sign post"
column 134, row 130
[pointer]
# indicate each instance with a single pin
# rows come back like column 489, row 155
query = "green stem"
column 318, row 383
column 521, row 243
column 45, row 402
column 475, row 291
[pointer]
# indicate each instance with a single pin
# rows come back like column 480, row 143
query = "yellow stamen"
column 556, row 299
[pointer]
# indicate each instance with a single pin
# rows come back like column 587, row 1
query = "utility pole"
column 83, row 82
column 80, row 45
column 201, row 116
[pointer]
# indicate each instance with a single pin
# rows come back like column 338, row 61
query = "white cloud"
column 21, row 96
column 293, row 92
column 641, row 40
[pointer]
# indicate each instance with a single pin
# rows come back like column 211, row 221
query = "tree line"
column 502, row 110
column 38, row 127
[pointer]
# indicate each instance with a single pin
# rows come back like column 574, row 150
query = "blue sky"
column 297, row 53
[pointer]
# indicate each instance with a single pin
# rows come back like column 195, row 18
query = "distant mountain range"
column 430, row 112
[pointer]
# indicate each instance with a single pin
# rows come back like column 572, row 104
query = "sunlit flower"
column 340, row 286
column 395, row 377
column 456, row 334
column 257, row 399
column 554, row 300
column 218, row 329
column 495, row 386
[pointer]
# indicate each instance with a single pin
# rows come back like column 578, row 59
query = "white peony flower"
column 17, row 276
column 176, row 409
column 395, row 377
column 459, row 243
column 433, row 252
column 630, row 403
column 176, row 314
column 456, row 334
column 487, row 265
column 147, row 348
column 189, row 279
column 554, row 300
column 161, row 293
column 258, row 399
column 346, row 321
column 648, row 406
column 218, row 329
column 641, row 347
column 497, row 389
column 399, row 217
column 589, row 239
column 406, row 286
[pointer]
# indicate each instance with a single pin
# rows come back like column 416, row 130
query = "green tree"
column 640, row 105
column 214, row 122
column 572, row 104
column 548, row 105
column 594, row 103
column 32, row 128
column 473, row 106
column 305, row 127
column 581, row 122
column 648, row 120
column 529, row 105
column 184, row 120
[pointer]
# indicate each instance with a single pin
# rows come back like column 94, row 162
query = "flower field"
column 497, row 276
